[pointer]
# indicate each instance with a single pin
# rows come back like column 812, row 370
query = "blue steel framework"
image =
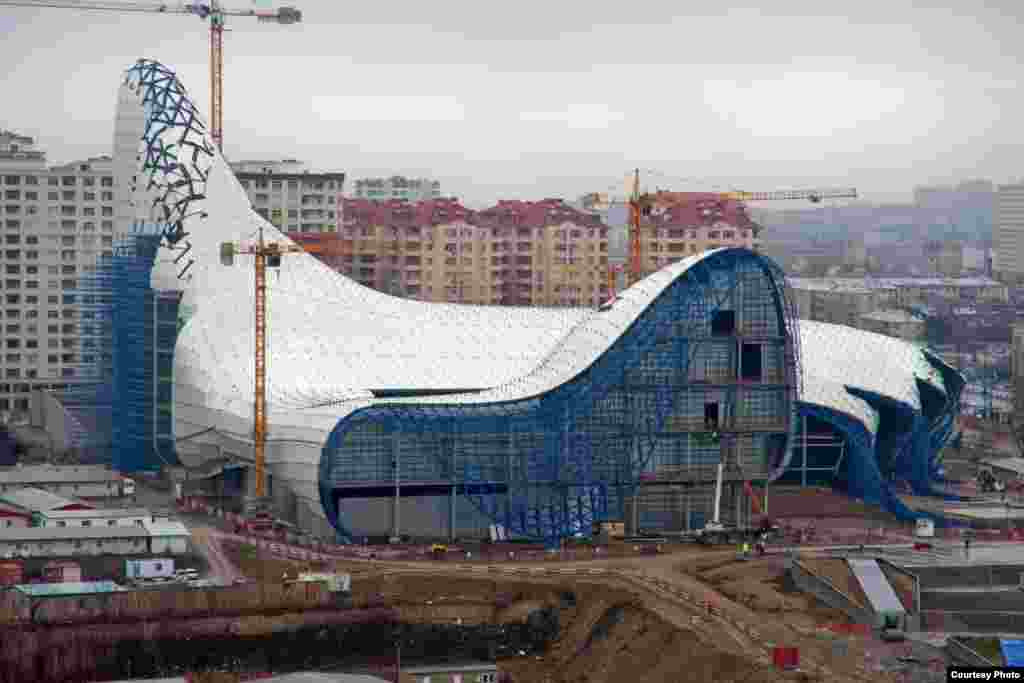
column 127, row 414
column 544, row 466
column 907, row 447
column 129, row 409
column 549, row 466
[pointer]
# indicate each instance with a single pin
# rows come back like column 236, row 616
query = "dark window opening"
column 723, row 323
column 711, row 417
column 750, row 362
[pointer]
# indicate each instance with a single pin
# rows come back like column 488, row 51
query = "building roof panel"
column 340, row 341
column 865, row 360
column 46, row 474
column 100, row 513
column 68, row 589
column 35, row 500
column 72, row 533
column 165, row 528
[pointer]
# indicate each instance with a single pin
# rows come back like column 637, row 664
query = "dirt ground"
column 643, row 619
column 838, row 573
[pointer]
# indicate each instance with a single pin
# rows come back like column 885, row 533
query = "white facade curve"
column 338, row 349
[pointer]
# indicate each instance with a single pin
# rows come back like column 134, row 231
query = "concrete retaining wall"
column 823, row 589
column 913, row 620
column 953, row 577
column 965, row 655
column 994, row 601
column 973, row 621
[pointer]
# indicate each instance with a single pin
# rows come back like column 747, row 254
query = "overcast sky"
column 532, row 98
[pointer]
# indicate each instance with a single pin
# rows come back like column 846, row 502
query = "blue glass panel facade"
column 618, row 430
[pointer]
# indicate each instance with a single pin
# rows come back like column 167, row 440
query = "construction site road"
column 208, row 543
column 658, row 584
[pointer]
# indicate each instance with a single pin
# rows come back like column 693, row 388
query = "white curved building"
column 542, row 420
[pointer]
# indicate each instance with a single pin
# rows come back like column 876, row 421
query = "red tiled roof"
column 520, row 214
column 506, row 213
column 398, row 213
column 696, row 209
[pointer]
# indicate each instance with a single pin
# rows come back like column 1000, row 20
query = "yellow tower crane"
column 265, row 255
column 641, row 203
column 210, row 10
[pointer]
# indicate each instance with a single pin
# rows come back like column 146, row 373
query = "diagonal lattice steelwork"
column 129, row 407
column 550, row 466
column 541, row 420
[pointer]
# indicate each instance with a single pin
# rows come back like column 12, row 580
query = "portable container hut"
column 62, row 572
column 160, row 567
column 106, row 517
column 171, row 538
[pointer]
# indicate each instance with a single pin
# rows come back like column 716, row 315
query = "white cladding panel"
column 331, row 340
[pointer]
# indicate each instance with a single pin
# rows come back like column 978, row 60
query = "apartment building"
column 841, row 301
column 545, row 253
column 886, row 305
column 397, row 187
column 57, row 222
column 894, row 323
column 290, row 196
column 1008, row 241
column 1017, row 349
column 681, row 224
column 541, row 253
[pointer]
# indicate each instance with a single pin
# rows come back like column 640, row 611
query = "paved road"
column 207, row 542
column 989, row 601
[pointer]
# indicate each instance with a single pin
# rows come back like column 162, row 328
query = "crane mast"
column 265, row 255
column 217, row 79
column 640, row 204
column 259, row 410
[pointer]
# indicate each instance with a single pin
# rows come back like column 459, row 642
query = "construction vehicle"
column 715, row 532
column 988, row 482
column 211, row 10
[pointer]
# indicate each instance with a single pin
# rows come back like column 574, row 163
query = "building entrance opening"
column 750, row 362
column 723, row 323
column 711, row 417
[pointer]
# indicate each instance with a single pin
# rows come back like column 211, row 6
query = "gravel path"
column 207, row 542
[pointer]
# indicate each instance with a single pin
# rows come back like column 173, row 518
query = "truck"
column 715, row 532
column 154, row 568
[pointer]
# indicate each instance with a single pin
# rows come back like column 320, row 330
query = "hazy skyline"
column 529, row 99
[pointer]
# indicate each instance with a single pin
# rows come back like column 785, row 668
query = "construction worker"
column 746, row 549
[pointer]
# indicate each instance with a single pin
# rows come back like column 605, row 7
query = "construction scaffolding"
column 132, row 361
column 708, row 372
column 125, row 413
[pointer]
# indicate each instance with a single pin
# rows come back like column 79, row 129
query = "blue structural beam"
column 574, row 455
column 126, row 412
